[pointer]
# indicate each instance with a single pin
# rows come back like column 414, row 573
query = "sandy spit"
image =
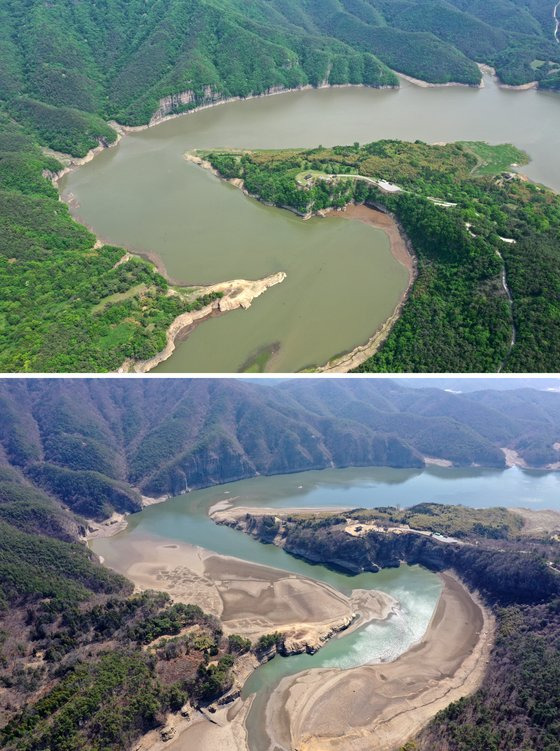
column 238, row 293
column 379, row 707
column 427, row 85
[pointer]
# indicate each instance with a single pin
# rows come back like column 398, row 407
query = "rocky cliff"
column 508, row 572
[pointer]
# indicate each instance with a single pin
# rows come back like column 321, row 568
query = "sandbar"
column 379, row 707
column 250, row 599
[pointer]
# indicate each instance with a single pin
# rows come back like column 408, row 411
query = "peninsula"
column 481, row 237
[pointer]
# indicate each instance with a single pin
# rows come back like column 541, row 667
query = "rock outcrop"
column 238, row 293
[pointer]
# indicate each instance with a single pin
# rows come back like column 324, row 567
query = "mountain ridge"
column 99, row 446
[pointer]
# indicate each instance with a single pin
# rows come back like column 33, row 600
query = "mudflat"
column 381, row 220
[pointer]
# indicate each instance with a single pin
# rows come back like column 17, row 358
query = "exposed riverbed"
column 342, row 281
column 184, row 521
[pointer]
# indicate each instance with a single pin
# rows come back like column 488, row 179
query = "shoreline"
column 384, row 705
column 403, row 252
column 375, row 216
column 251, row 599
column 121, row 130
column 340, row 363
column 429, row 85
column 238, row 293
column 154, row 120
column 490, row 71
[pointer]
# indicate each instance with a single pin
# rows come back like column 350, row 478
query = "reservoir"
column 186, row 519
column 342, row 281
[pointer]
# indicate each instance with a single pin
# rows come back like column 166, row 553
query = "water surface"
column 185, row 519
column 342, row 280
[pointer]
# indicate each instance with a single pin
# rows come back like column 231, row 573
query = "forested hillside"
column 68, row 305
column 83, row 663
column 68, row 69
column 487, row 294
column 92, row 62
column 95, row 446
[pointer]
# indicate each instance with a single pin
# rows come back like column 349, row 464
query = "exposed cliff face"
column 177, row 102
column 95, row 444
column 505, row 574
column 189, row 99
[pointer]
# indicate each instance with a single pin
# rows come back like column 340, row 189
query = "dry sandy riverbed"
column 250, row 599
column 374, row 707
column 378, row 707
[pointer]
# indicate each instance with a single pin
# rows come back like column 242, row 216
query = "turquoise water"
column 185, row 519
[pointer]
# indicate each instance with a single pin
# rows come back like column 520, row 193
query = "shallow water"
column 342, row 280
column 185, row 519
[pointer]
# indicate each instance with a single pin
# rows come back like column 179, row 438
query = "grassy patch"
column 495, row 159
column 138, row 289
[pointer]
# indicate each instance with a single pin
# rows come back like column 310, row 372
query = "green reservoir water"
column 185, row 519
column 342, row 280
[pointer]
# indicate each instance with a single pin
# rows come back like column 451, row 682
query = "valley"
column 226, row 597
column 295, row 326
column 120, row 296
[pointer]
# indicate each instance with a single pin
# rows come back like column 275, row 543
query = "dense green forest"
column 68, row 69
column 456, row 204
column 67, row 304
column 518, row 705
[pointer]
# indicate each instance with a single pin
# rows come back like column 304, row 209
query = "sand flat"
column 249, row 598
column 378, row 707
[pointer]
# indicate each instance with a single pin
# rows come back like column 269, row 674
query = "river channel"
column 342, row 281
column 186, row 519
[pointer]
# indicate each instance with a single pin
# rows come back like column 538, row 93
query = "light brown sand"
column 380, row 220
column 426, row 85
column 378, row 707
column 250, row 599
column 111, row 526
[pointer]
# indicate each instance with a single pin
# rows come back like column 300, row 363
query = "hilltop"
column 98, row 446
